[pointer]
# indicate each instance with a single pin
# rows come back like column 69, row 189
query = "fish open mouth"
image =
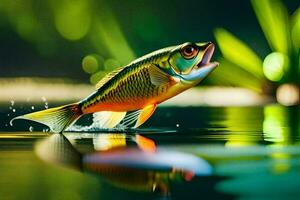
column 205, row 61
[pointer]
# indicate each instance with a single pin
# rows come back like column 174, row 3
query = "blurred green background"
column 257, row 41
column 61, row 48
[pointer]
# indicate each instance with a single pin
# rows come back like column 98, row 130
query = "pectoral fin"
column 138, row 117
column 145, row 114
column 157, row 76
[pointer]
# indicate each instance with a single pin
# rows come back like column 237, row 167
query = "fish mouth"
column 207, row 55
column 202, row 68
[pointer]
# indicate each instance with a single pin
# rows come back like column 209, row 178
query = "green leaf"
column 238, row 52
column 273, row 18
column 296, row 29
column 230, row 74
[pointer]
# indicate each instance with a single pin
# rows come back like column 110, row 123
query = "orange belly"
column 116, row 107
column 136, row 103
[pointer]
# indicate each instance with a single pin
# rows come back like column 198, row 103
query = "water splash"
column 45, row 130
column 11, row 107
column 31, row 128
column 45, row 102
column 95, row 126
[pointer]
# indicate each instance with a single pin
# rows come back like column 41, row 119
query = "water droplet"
column 45, row 130
column 44, row 99
column 177, row 125
column 12, row 102
column 45, row 102
column 8, row 114
column 32, row 107
column 10, row 107
column 31, row 129
column 14, row 110
column 6, row 125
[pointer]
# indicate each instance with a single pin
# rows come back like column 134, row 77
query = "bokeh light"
column 274, row 66
column 95, row 65
column 288, row 94
column 72, row 19
column 95, row 78
column 111, row 64
column 90, row 63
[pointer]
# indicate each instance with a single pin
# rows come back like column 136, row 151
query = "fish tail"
column 58, row 118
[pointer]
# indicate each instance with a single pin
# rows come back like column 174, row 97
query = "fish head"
column 191, row 61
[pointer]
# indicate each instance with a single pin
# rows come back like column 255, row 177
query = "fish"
column 128, row 96
column 124, row 166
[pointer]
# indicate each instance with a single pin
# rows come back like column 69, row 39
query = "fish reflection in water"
column 141, row 167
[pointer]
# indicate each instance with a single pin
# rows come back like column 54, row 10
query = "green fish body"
column 138, row 86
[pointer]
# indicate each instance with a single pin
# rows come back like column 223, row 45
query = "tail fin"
column 58, row 119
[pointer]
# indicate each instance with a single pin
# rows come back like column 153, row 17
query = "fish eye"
column 189, row 51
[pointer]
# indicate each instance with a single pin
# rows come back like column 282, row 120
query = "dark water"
column 180, row 153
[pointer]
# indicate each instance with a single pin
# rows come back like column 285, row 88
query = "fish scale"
column 132, row 84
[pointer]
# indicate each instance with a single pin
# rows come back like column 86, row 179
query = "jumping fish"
column 136, row 88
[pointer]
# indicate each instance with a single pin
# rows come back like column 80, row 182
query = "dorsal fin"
column 108, row 77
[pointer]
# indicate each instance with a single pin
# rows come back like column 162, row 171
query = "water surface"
column 180, row 153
